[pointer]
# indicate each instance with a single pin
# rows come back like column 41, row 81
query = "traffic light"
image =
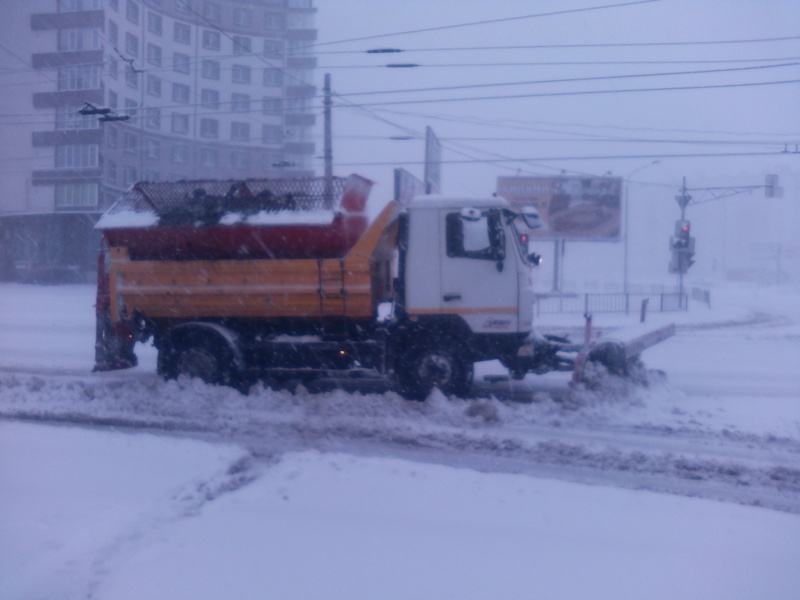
column 682, row 247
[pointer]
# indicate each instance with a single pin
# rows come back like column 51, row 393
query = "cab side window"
column 480, row 238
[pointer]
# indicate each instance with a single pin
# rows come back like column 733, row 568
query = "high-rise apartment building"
column 213, row 89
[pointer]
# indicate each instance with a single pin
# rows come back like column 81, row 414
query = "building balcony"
column 67, row 20
column 62, row 59
column 67, row 136
column 299, row 148
column 301, row 91
column 56, row 176
column 300, row 119
column 301, row 35
column 301, row 62
column 67, row 98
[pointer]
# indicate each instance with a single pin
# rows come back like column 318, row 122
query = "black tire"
column 198, row 354
column 421, row 368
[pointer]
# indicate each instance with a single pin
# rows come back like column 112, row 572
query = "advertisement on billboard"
column 571, row 208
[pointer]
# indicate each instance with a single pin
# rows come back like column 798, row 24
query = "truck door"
column 479, row 271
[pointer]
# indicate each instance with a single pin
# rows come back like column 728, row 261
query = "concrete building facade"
column 210, row 88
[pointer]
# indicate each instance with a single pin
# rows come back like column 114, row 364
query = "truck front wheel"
column 419, row 370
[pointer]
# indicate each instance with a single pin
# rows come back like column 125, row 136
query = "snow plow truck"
column 281, row 279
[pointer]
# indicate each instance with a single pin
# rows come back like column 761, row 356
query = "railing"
column 610, row 303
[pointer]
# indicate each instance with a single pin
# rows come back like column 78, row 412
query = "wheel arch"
column 220, row 334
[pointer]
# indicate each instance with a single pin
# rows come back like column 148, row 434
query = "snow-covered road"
column 187, row 473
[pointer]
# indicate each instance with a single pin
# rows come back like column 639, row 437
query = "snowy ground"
column 119, row 485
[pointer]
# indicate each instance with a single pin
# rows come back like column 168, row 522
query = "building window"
column 113, row 99
column 210, row 69
column 132, row 109
column 273, row 47
column 240, row 160
column 180, row 93
column 132, row 78
column 67, row 117
column 212, row 11
column 271, row 106
column 209, row 128
column 180, row 153
column 111, row 136
column 209, row 98
column 113, row 68
column 273, row 77
column 131, row 45
column 154, row 54
column 129, row 175
column 153, row 149
column 75, row 40
column 132, row 11
column 299, row 105
column 242, row 45
column 242, row 17
column 240, row 102
column 113, row 32
column 154, row 85
column 152, row 117
column 209, row 157
column 274, row 21
column 300, row 20
column 240, row 132
column 130, row 142
column 180, row 62
column 182, row 33
column 77, row 156
column 79, row 77
column 240, row 74
column 76, row 194
column 111, row 171
column 271, row 134
column 154, row 23
column 211, row 39
column 180, row 123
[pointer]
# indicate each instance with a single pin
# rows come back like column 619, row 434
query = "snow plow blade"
column 619, row 351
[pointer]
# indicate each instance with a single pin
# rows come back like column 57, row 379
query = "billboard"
column 571, row 208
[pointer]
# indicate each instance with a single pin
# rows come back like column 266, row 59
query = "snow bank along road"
column 724, row 424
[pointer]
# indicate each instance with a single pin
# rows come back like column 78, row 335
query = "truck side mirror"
column 531, row 217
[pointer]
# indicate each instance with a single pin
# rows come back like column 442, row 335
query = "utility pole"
column 328, row 150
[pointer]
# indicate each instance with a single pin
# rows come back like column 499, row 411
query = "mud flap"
column 113, row 345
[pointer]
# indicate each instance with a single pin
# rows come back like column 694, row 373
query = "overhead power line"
column 581, row 93
column 571, row 80
column 567, row 63
column 573, row 158
column 484, row 22
column 565, row 46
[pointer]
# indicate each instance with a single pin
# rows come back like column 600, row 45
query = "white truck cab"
column 464, row 257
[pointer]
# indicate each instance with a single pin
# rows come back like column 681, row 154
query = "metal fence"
column 610, row 303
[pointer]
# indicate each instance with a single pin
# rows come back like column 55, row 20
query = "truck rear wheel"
column 420, row 369
column 198, row 354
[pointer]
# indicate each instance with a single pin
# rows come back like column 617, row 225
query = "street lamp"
column 627, row 210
